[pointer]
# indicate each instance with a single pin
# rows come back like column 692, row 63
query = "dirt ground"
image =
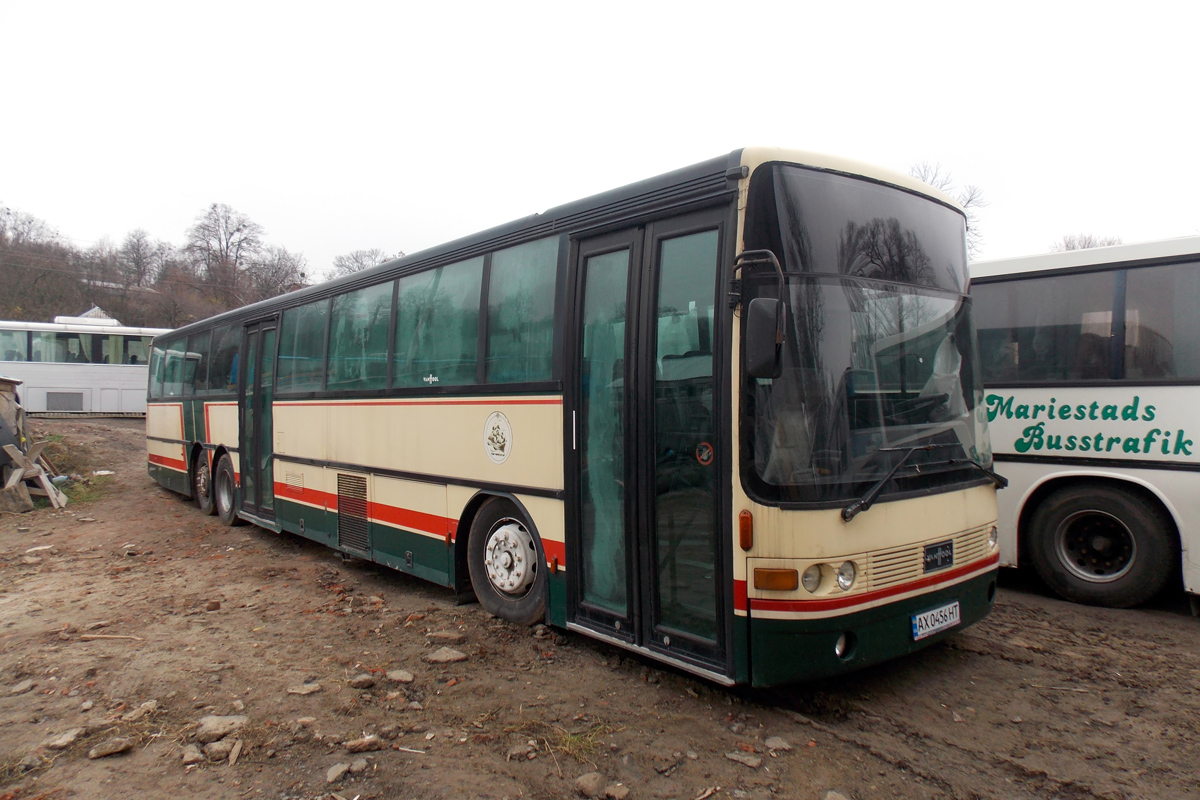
column 131, row 616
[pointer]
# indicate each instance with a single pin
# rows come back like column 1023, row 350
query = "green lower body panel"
column 172, row 479
column 556, row 602
column 792, row 651
column 425, row 557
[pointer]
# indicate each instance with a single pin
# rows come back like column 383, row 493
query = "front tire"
column 225, row 491
column 1103, row 546
column 202, row 485
column 507, row 564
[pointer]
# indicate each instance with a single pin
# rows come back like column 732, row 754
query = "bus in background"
column 729, row 418
column 78, row 365
column 1091, row 361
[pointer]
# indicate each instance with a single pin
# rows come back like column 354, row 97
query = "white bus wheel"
column 505, row 562
column 1100, row 545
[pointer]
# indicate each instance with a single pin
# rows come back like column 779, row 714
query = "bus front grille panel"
column 354, row 532
column 901, row 564
column 64, row 401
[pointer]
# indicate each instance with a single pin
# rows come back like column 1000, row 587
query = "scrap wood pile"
column 24, row 470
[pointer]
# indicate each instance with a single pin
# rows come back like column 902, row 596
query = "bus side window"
column 222, row 370
column 520, row 321
column 301, row 348
column 173, row 372
column 156, row 372
column 196, row 375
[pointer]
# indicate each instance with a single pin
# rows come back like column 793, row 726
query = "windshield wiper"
column 863, row 503
column 1000, row 481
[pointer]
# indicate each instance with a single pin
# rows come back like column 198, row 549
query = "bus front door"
column 649, row 566
column 256, row 394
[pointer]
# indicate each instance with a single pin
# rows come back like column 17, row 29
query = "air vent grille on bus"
column 64, row 401
column 354, row 532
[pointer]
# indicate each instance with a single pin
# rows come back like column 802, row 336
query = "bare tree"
column 970, row 197
column 1083, row 241
column 136, row 259
column 19, row 228
column 276, row 271
column 359, row 260
column 224, row 242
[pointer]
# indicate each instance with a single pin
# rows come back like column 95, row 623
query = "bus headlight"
column 846, row 575
column 811, row 579
column 993, row 537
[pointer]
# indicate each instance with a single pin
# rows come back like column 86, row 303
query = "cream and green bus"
column 729, row 418
column 1091, row 360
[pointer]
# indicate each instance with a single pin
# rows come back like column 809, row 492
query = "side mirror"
column 763, row 345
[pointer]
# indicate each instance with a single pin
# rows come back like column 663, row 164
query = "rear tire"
column 202, row 485
column 1104, row 546
column 225, row 491
column 507, row 564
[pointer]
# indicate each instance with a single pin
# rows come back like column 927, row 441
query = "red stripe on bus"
column 170, row 463
column 376, row 512
column 555, row 550
column 556, row 401
column 407, row 518
column 845, row 601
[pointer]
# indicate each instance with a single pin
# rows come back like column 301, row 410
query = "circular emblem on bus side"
column 497, row 437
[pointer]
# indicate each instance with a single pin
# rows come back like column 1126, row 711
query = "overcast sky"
column 401, row 125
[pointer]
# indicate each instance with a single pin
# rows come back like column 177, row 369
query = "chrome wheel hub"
column 510, row 558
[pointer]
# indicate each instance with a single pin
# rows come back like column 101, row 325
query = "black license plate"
column 938, row 556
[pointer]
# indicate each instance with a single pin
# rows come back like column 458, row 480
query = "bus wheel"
column 1102, row 546
column 225, row 491
column 202, row 486
column 505, row 562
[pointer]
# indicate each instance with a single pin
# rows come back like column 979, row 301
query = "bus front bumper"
column 786, row 651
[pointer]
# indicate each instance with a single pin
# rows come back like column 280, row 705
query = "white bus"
column 80, row 365
column 1091, row 363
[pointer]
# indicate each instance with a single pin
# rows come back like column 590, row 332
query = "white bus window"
column 1162, row 328
column 1046, row 329
column 14, row 345
column 42, row 348
column 136, row 350
column 520, row 322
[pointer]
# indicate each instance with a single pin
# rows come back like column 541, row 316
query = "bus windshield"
column 869, row 370
column 879, row 355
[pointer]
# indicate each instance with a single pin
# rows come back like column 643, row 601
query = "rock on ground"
column 365, row 744
column 445, row 655
column 111, row 747
column 590, row 784
column 750, row 760
column 64, row 740
column 363, row 681
column 214, row 728
column 218, row 751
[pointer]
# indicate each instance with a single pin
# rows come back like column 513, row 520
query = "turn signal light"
column 776, row 580
column 746, row 530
